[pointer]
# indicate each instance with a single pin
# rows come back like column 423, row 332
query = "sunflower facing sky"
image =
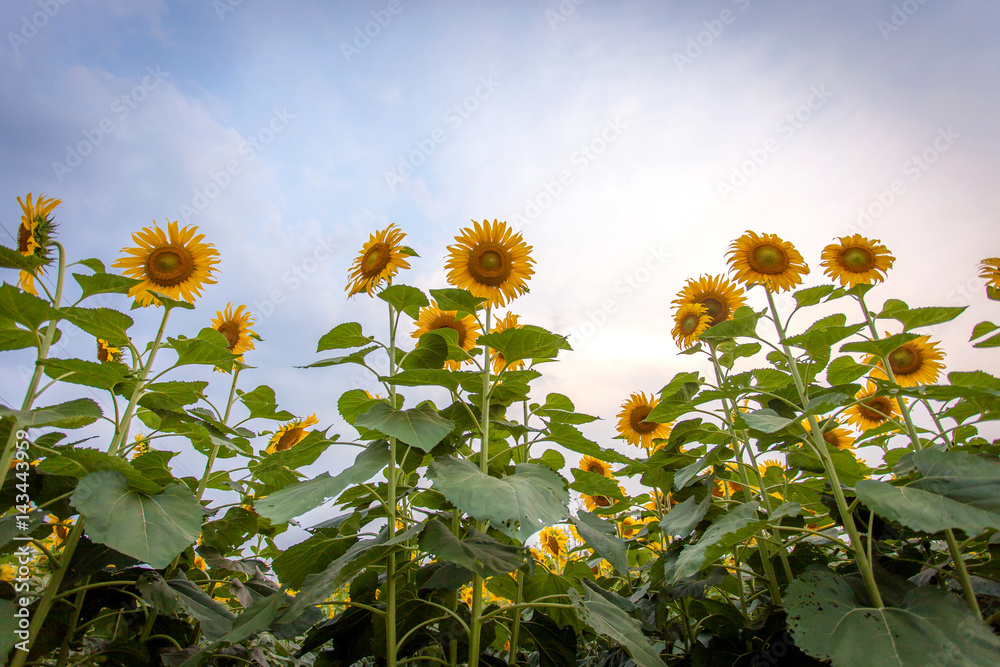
column 632, row 425
column 174, row 263
column 719, row 296
column 914, row 363
column 690, row 321
column 856, row 260
column 432, row 318
column 871, row 411
column 499, row 363
column 380, row 259
column 590, row 464
column 766, row 260
column 34, row 235
column 491, row 261
column 290, row 434
column 235, row 326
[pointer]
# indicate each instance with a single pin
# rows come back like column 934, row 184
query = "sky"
column 630, row 142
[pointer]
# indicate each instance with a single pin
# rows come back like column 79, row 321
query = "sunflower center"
column 715, row 309
column 552, row 544
column 231, row 330
column 905, row 360
column 594, row 467
column 23, row 237
column 689, row 324
column 601, row 501
column 769, row 259
column 831, row 439
column 375, row 260
column 875, row 410
column 170, row 265
column 289, row 438
column 490, row 264
column 449, row 322
column 635, row 420
column 857, row 260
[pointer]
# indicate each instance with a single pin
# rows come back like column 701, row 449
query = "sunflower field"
column 741, row 529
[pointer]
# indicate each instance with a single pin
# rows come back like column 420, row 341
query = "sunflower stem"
column 475, row 626
column 215, row 448
column 43, row 353
column 390, row 603
column 819, row 443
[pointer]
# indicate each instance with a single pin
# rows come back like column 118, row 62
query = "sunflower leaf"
column 570, row 437
column 81, row 462
column 87, row 373
column 925, row 317
column 77, row 413
column 594, row 484
column 810, row 296
column 881, row 347
column 460, row 300
column 431, row 352
column 844, row 370
column 422, row 427
column 993, row 341
column 12, row 259
column 982, row 329
column 343, row 336
column 104, row 283
column 356, row 357
column 744, row 323
column 479, row 553
column 683, row 517
column 766, row 420
column 603, row 538
column 209, row 347
column 23, row 308
column 167, row 302
column 405, row 299
column 526, row 343
column 262, row 404
column 731, row 528
column 606, row 618
column 13, row 337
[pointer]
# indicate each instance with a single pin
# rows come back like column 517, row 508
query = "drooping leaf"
column 262, row 404
column 527, row 343
column 683, row 517
column 81, row 462
column 87, row 373
column 26, row 309
column 606, row 619
column 602, row 537
column 431, row 352
column 478, row 553
column 570, row 437
column 731, row 528
column 104, row 323
column 405, row 299
column 343, row 336
column 209, row 347
column 880, row 347
column 310, row 556
column 914, row 318
column 460, row 300
column 766, row 420
column 844, row 370
column 12, row 259
column 421, row 426
column 216, row 621
column 77, row 413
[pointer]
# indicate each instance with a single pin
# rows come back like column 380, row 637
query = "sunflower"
column 718, row 295
column 34, row 235
column 834, row 434
column 594, row 502
column 432, row 318
column 499, row 363
column 491, row 261
column 913, row 363
column 106, row 352
column 8, row 573
column 290, row 434
column 632, row 425
column 235, row 326
column 856, row 261
column 766, row 260
column 380, row 259
column 554, row 541
column 141, row 446
column 726, row 489
column 590, row 464
column 871, row 410
column 629, row 525
column 989, row 270
column 659, row 501
column 769, row 463
column 175, row 263
column 690, row 321
column 200, row 563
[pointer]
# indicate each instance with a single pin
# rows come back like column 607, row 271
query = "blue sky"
column 630, row 141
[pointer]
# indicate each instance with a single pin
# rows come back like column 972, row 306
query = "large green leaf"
column 343, row 336
column 594, row 484
column 12, row 337
column 602, row 537
column 881, row 347
column 431, row 352
column 310, row 556
column 605, row 618
column 262, row 404
column 104, row 283
column 209, row 347
column 844, row 370
column 461, row 301
column 24, row 308
column 766, row 420
column 930, row 627
column 77, row 413
column 925, row 317
column 87, row 373
column 570, row 437
column 519, row 505
column 556, row 646
column 12, row 259
column 527, row 343
column 81, row 462
column 297, row 499
column 216, row 621
column 731, row 528
column 478, row 553
column 683, row 517
column 404, row 298
column 104, row 323
column 744, row 323
column 421, row 426
column 151, row 528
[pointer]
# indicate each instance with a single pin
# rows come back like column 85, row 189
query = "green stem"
column 390, row 603
column 475, row 626
column 215, row 448
column 819, row 443
column 71, row 630
column 516, row 630
column 963, row 573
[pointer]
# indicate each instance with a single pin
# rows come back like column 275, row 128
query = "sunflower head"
column 856, row 260
column 989, row 270
column 871, row 410
column 718, row 295
column 632, row 424
column 34, row 235
column 380, row 259
column 235, row 326
column 590, row 464
column 491, row 261
column 833, row 433
column 290, row 434
column 106, row 352
column 141, row 446
column 499, row 363
column 595, row 502
column 914, row 363
column 554, row 541
column 432, row 318
column 766, row 260
column 690, row 321
column 174, row 263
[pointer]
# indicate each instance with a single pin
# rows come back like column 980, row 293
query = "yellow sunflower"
column 724, row 488
column 871, row 410
column 914, row 363
column 380, row 259
column 554, row 541
column 433, row 318
column 594, row 502
column 766, row 260
column 664, row 501
column 8, row 573
column 290, row 434
column 34, row 235
column 856, row 261
column 106, row 353
column 499, row 363
column 200, row 563
column 718, row 295
column 491, row 261
column 632, row 425
column 174, row 263
column 769, row 463
column 989, row 270
column 235, row 326
column 590, row 464
column 141, row 446
column 834, row 434
column 690, row 321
